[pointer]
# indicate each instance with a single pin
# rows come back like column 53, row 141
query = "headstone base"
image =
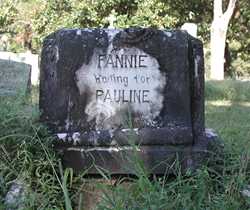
column 155, row 159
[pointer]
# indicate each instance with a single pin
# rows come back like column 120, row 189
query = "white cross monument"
column 111, row 18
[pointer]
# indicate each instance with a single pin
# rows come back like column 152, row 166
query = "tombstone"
column 4, row 42
column 15, row 78
column 28, row 58
column 112, row 95
column 191, row 28
column 111, row 19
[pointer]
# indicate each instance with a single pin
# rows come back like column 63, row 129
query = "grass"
column 26, row 154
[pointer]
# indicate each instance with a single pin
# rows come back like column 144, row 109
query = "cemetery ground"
column 27, row 158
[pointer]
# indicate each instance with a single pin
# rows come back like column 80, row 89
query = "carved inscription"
column 119, row 62
column 127, row 78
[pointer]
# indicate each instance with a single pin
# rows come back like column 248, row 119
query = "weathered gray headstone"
column 103, row 91
column 14, row 77
column 27, row 58
column 191, row 28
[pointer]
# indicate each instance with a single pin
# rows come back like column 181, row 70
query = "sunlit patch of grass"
column 227, row 103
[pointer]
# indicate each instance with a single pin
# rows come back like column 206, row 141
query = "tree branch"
column 230, row 9
column 217, row 8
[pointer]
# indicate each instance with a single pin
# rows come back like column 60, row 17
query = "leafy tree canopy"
column 46, row 16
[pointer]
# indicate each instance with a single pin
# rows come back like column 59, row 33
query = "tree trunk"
column 218, row 38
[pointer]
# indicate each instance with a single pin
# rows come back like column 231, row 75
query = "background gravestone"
column 191, row 28
column 27, row 58
column 14, row 77
column 103, row 91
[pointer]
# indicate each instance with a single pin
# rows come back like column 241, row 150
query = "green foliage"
column 153, row 13
column 229, row 90
column 49, row 16
column 239, row 39
column 8, row 15
column 26, row 154
column 241, row 56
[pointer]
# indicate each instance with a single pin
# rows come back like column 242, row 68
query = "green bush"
column 228, row 90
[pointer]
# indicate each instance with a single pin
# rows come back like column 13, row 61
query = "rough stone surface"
column 246, row 192
column 157, row 159
column 105, row 92
column 15, row 77
column 15, row 198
